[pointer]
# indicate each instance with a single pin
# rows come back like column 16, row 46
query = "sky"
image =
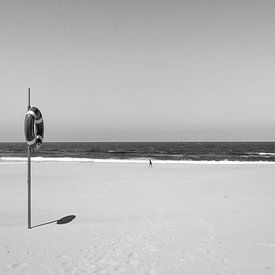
column 139, row 70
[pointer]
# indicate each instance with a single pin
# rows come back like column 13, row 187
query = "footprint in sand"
column 132, row 259
column 102, row 260
column 61, row 257
column 152, row 248
column 119, row 269
column 100, row 271
column 113, row 263
column 17, row 265
column 151, row 272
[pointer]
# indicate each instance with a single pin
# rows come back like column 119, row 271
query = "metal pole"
column 29, row 170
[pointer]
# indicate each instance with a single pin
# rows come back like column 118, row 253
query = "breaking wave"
column 23, row 160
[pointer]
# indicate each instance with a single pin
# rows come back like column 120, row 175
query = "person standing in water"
column 150, row 163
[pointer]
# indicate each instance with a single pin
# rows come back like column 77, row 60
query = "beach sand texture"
column 132, row 219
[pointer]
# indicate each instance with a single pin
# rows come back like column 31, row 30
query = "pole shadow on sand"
column 63, row 220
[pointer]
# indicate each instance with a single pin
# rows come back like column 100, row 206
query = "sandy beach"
column 132, row 219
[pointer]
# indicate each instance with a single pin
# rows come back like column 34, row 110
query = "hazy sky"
column 139, row 70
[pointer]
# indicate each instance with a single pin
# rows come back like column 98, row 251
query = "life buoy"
column 34, row 128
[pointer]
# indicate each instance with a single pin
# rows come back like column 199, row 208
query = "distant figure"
column 150, row 163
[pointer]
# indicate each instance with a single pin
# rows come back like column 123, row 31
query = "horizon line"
column 187, row 141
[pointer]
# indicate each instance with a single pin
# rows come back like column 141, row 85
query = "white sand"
column 130, row 219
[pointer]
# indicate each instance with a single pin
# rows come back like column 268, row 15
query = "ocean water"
column 142, row 151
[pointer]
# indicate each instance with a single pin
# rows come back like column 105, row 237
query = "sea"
column 223, row 152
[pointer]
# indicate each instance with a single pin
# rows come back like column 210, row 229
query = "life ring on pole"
column 34, row 128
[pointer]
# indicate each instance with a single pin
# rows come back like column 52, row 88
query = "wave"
column 265, row 154
column 22, row 160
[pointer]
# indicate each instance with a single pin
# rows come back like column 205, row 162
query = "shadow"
column 66, row 219
column 63, row 220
